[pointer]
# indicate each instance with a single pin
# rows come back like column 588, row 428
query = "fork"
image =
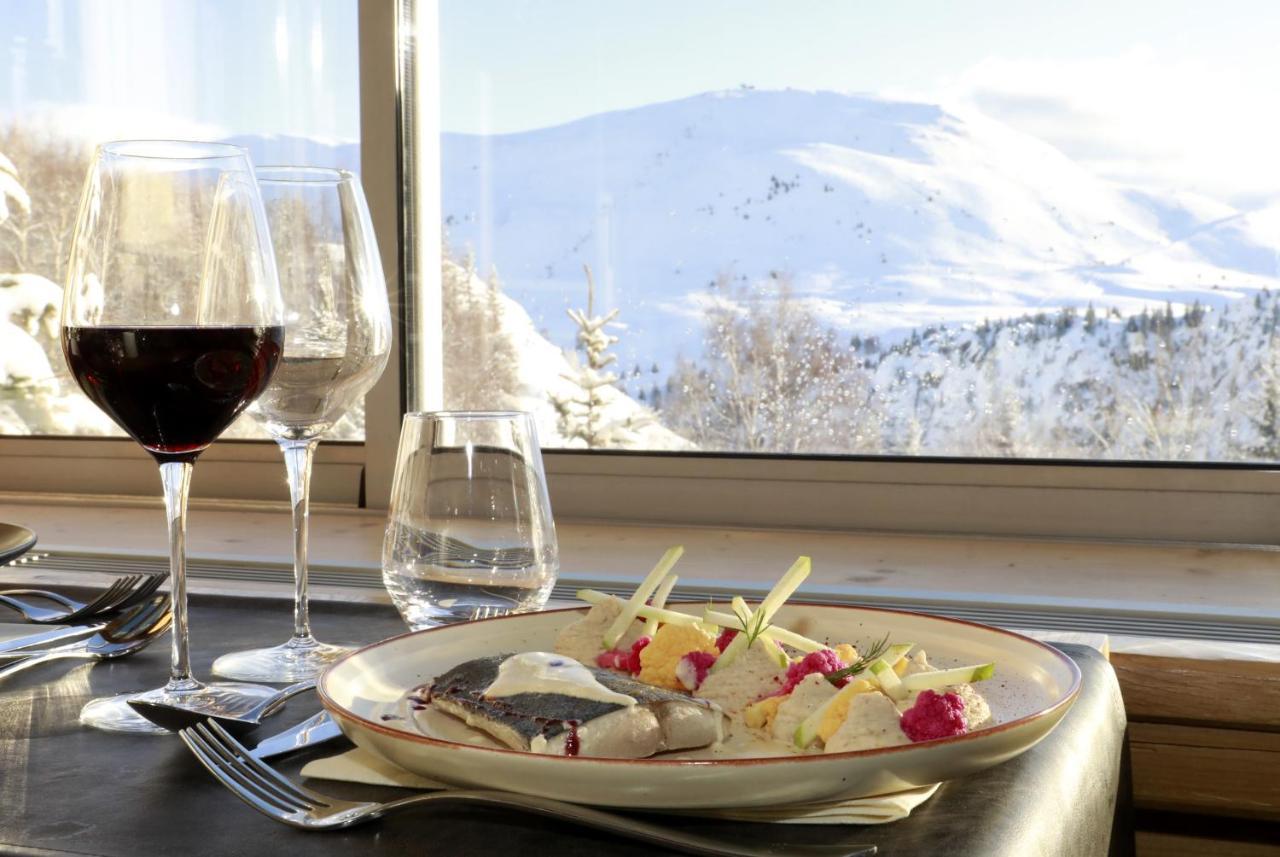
column 455, row 553
column 121, row 594
column 130, row 632
column 271, row 794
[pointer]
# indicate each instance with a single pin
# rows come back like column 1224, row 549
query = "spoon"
column 174, row 716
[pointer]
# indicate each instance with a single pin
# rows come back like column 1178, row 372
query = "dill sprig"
column 873, row 654
column 752, row 626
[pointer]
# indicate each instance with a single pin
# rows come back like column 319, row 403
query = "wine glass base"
column 113, row 714
column 293, row 661
column 227, row 700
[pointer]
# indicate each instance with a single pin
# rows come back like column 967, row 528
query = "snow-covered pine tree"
column 584, row 414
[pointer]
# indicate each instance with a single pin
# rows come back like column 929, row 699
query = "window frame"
column 1215, row 503
column 1227, row 504
column 249, row 470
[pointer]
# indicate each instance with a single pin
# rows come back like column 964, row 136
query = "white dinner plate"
column 1033, row 688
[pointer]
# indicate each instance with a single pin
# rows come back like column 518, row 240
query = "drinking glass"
column 469, row 532
column 172, row 324
column 337, row 341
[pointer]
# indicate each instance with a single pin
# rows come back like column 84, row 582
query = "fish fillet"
column 557, row 724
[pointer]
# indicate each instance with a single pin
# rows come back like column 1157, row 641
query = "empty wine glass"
column 172, row 324
column 336, row 345
column 469, row 532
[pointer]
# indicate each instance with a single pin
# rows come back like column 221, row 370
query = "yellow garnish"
column 759, row 715
column 659, row 659
column 839, row 707
column 846, row 652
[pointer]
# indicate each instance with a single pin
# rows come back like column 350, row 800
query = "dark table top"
column 68, row 789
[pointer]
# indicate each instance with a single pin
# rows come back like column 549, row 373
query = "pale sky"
column 1170, row 93
column 138, row 67
column 1176, row 94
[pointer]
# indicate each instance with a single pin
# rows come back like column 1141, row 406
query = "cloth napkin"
column 358, row 766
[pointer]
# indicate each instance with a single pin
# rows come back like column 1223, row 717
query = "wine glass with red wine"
column 338, row 341
column 172, row 324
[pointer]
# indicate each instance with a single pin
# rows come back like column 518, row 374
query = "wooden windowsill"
column 1211, row 581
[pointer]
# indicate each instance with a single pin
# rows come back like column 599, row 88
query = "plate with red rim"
column 366, row 692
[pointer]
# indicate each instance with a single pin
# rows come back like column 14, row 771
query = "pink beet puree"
column 725, row 638
column 823, row 661
column 934, row 716
column 627, row 660
column 692, row 669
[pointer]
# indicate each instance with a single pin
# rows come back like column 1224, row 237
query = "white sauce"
column 546, row 672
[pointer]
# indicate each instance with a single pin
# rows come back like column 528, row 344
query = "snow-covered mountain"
column 886, row 216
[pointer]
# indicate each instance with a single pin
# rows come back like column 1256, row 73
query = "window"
column 280, row 78
column 1004, row 231
column 413, row 63
column 594, row 59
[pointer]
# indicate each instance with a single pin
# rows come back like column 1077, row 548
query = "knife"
column 18, row 644
column 314, row 730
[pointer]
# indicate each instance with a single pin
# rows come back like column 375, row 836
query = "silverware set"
column 130, row 615
column 130, row 632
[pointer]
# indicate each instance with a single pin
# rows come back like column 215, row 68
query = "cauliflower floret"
column 976, row 711
column 872, row 722
column 583, row 640
column 917, row 663
column 812, row 691
column 660, row 659
column 693, row 668
column 754, row 674
column 822, row 662
column 935, row 715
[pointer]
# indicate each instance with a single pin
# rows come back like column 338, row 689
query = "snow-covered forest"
column 770, row 376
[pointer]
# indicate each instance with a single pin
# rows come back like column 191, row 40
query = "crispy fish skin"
column 541, row 722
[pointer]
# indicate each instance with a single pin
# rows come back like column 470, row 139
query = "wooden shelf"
column 1204, row 743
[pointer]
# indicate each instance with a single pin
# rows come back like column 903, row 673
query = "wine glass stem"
column 176, row 478
column 298, row 455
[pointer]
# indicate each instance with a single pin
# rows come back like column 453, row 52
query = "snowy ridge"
column 886, row 215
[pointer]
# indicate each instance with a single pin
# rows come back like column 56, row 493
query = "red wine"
column 174, row 389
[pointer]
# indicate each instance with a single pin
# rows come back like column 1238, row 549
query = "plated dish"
column 828, row 724
column 14, row 542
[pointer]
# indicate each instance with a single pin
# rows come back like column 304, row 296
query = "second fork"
column 121, row 594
